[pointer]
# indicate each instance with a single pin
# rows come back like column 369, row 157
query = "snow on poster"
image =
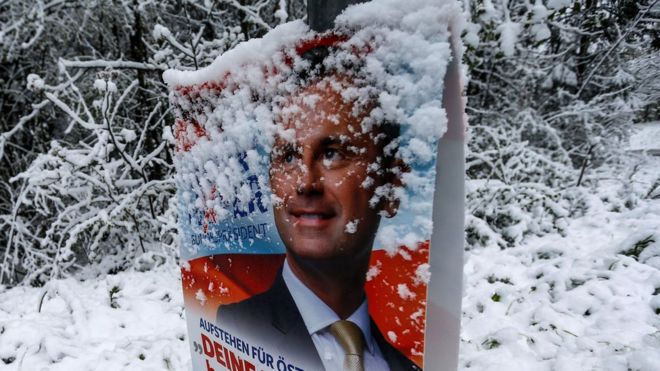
column 306, row 176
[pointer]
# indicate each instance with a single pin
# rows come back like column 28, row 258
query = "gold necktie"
column 349, row 336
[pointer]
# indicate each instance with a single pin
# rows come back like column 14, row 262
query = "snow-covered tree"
column 555, row 87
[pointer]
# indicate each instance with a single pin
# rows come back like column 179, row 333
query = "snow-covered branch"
column 112, row 65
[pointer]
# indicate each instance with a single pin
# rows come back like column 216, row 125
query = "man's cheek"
column 278, row 199
column 278, row 186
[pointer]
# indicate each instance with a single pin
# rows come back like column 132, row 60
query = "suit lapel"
column 385, row 347
column 287, row 319
column 393, row 357
column 285, row 314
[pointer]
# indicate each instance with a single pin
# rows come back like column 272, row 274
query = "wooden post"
column 321, row 14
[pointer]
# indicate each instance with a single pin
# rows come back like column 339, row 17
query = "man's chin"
column 319, row 251
column 309, row 252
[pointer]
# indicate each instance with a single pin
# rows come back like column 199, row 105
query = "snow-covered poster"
column 306, row 172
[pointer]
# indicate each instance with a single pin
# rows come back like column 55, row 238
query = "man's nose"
column 311, row 177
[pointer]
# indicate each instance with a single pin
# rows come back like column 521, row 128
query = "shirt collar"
column 317, row 315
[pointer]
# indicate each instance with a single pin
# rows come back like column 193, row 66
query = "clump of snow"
column 367, row 183
column 129, row 135
column 471, row 37
column 105, row 86
column 373, row 271
column 185, row 266
column 423, row 274
column 539, row 29
column 489, row 11
column 417, row 315
column 167, row 135
column 404, row 292
column 161, row 32
column 201, row 297
column 266, row 49
column 392, row 336
column 34, row 82
column 351, row 227
column 387, row 238
column 509, row 32
column 281, row 12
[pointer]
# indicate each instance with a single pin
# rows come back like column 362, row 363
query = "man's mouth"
column 311, row 218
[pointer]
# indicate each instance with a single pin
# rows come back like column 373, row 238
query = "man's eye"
column 284, row 155
column 330, row 154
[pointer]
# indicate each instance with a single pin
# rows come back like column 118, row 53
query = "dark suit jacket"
column 274, row 320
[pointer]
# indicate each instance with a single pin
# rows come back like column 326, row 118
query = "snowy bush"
column 554, row 90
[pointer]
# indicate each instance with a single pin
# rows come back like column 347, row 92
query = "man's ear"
column 394, row 178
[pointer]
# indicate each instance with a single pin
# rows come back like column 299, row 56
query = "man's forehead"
column 322, row 132
column 324, row 97
column 325, row 106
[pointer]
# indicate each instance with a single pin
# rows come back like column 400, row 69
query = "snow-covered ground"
column 573, row 302
column 646, row 138
column 587, row 300
column 80, row 325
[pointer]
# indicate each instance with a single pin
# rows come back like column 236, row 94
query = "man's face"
column 321, row 177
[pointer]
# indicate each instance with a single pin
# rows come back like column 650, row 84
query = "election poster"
column 306, row 176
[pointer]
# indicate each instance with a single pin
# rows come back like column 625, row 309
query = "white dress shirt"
column 318, row 317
